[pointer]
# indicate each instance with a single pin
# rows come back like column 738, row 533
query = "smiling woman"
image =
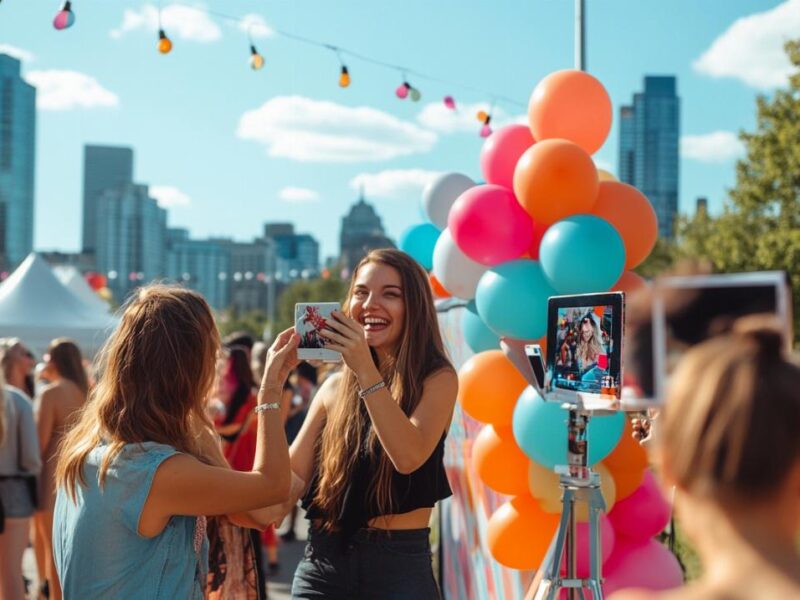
column 372, row 444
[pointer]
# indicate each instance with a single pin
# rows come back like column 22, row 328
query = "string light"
column 414, row 94
column 164, row 43
column 449, row 102
column 402, row 90
column 64, row 18
column 344, row 77
column 256, row 60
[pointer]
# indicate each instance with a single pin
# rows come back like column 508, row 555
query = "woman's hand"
column 346, row 335
column 281, row 358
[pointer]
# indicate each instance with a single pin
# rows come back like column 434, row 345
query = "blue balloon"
column 419, row 241
column 582, row 254
column 512, row 299
column 477, row 335
column 540, row 429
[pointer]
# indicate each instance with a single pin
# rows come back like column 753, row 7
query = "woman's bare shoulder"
column 328, row 392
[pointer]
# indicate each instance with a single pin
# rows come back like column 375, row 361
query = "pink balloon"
column 607, row 539
column 501, row 151
column 489, row 225
column 643, row 514
column 536, row 240
column 647, row 565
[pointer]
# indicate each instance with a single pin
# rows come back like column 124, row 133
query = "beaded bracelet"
column 266, row 406
column 371, row 389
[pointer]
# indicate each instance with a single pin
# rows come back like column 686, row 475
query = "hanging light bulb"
column 402, row 90
column 344, row 78
column 486, row 130
column 256, row 60
column 449, row 102
column 414, row 94
column 164, row 43
column 482, row 116
column 64, row 18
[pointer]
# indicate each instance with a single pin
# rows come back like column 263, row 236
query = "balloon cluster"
column 546, row 222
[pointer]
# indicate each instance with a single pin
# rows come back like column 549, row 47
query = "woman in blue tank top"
column 372, row 444
column 141, row 470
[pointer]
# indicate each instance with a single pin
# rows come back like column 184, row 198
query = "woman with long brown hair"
column 372, row 444
column 55, row 408
column 141, row 469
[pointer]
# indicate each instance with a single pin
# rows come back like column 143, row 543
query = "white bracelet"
column 266, row 406
column 371, row 389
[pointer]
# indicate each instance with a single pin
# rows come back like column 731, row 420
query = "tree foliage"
column 759, row 227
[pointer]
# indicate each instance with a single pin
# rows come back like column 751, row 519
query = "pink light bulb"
column 402, row 91
column 486, row 131
column 64, row 18
column 450, row 102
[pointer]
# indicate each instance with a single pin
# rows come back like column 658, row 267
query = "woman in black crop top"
column 372, row 444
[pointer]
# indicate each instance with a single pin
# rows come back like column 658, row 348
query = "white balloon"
column 458, row 273
column 439, row 195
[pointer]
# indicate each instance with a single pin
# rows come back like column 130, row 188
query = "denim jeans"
column 374, row 564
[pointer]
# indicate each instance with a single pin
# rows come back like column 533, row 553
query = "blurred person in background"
column 17, row 365
column 56, row 409
column 728, row 442
column 20, row 462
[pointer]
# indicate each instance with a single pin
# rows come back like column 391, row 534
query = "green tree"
column 759, row 228
column 253, row 322
column 331, row 289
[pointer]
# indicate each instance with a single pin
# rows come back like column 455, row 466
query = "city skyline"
column 231, row 148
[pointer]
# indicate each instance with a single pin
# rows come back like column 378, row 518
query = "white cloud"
column 256, row 26
column 298, row 195
column 601, row 163
column 715, row 147
column 438, row 117
column 169, row 196
column 65, row 90
column 309, row 130
column 18, row 53
column 181, row 22
column 751, row 49
column 394, row 184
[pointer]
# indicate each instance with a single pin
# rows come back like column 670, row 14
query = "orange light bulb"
column 256, row 60
column 344, row 78
column 164, row 43
column 482, row 116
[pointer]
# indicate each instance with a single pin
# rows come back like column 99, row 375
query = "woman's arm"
column 45, row 419
column 30, row 458
column 185, row 486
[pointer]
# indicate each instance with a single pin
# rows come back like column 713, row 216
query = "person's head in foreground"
column 729, row 441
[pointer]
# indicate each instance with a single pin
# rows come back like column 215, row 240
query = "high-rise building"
column 252, row 269
column 296, row 254
column 362, row 231
column 131, row 232
column 202, row 265
column 648, row 147
column 17, row 156
column 104, row 167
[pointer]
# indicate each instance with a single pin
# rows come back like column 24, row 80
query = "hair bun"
column 765, row 331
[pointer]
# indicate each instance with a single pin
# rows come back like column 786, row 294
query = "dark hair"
column 239, row 338
column 67, row 360
column 730, row 420
column 240, row 373
column 307, row 372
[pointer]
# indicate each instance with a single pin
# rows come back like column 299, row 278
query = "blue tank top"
column 98, row 550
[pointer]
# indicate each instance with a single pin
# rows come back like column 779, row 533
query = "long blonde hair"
column 587, row 352
column 420, row 353
column 155, row 375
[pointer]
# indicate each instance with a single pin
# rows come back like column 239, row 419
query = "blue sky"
column 228, row 148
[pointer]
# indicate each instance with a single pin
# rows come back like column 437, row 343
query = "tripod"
column 578, row 484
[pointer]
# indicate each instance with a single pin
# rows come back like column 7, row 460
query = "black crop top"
column 420, row 489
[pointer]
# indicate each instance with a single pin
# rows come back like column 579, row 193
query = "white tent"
column 36, row 307
column 72, row 278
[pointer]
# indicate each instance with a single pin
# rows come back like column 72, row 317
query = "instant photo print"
column 309, row 320
column 584, row 349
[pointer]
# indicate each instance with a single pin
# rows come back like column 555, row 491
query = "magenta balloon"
column 582, row 546
column 647, row 565
column 644, row 513
column 501, row 151
column 489, row 225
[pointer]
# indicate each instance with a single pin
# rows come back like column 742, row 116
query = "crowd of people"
column 163, row 472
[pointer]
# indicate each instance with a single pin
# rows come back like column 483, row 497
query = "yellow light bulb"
column 482, row 116
column 344, row 78
column 164, row 43
column 256, row 62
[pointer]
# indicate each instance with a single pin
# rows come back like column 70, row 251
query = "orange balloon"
column 627, row 463
column 570, row 105
column 520, row 533
column 488, row 387
column 604, row 175
column 438, row 289
column 630, row 283
column 555, row 179
column 499, row 462
column 632, row 215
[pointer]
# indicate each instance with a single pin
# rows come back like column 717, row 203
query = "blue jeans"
column 374, row 564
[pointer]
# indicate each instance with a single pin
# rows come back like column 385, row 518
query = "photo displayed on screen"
column 311, row 320
column 583, row 358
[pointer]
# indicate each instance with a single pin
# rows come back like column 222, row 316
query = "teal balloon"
column 540, row 429
column 419, row 242
column 512, row 299
column 582, row 254
column 477, row 335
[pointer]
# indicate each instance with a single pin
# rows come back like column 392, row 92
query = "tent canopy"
column 36, row 307
column 71, row 277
